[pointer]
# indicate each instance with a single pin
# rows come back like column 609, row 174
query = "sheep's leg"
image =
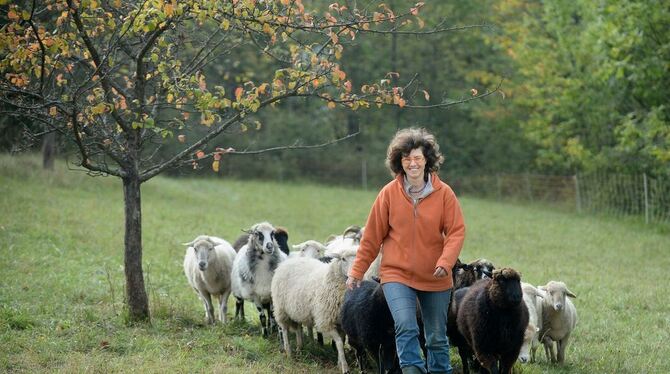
column 223, row 306
column 465, row 356
column 239, row 308
column 489, row 363
column 561, row 345
column 261, row 315
column 284, row 331
column 319, row 338
column 298, row 338
column 340, row 350
column 506, row 364
column 549, row 349
column 209, row 308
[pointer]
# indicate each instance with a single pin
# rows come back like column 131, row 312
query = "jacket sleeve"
column 454, row 232
column 376, row 229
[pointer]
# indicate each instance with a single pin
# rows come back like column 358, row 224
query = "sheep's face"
column 483, row 268
column 203, row 249
column 262, row 238
column 556, row 292
column 529, row 340
column 508, row 283
column 346, row 260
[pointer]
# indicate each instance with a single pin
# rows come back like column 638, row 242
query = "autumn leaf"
column 53, row 111
column 401, row 102
column 331, row 105
column 181, row 138
column 217, row 156
column 347, row 86
column 199, row 154
column 262, row 88
column 238, row 93
column 474, row 92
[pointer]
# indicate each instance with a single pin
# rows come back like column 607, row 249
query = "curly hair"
column 405, row 141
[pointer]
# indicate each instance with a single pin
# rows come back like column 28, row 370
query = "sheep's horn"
column 570, row 294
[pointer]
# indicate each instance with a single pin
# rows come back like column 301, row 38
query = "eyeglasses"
column 417, row 159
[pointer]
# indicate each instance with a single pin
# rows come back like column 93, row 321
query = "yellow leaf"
column 169, row 10
column 53, row 111
column 331, row 105
column 215, row 166
column 12, row 15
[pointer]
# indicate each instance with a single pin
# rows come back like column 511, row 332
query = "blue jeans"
column 401, row 300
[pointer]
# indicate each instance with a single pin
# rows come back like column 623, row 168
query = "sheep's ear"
column 297, row 246
column 247, row 231
column 570, row 294
column 497, row 274
column 210, row 241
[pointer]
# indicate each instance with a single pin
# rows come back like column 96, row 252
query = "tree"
column 591, row 82
column 120, row 79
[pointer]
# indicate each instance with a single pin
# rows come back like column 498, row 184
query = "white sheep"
column 253, row 270
column 559, row 317
column 351, row 237
column 532, row 297
column 308, row 292
column 310, row 248
column 207, row 264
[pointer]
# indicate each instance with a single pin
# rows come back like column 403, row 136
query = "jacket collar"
column 434, row 179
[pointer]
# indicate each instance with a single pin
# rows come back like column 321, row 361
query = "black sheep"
column 367, row 321
column 492, row 318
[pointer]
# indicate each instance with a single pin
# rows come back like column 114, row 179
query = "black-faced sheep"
column 253, row 270
column 207, row 265
column 368, row 323
column 559, row 319
column 492, row 318
column 308, row 292
column 280, row 235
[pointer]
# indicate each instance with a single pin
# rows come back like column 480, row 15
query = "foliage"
column 71, row 319
column 592, row 82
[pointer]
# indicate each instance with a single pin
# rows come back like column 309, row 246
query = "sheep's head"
column 262, row 238
column 506, row 287
column 463, row 275
column 530, row 339
column 556, row 292
column 483, row 268
column 344, row 260
column 203, row 248
column 310, row 248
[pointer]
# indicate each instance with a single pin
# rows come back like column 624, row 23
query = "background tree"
column 122, row 79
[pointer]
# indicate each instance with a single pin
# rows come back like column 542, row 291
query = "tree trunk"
column 138, row 303
column 49, row 150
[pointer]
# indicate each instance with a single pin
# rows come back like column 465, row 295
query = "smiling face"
column 414, row 164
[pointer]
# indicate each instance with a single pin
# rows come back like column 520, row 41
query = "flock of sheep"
column 494, row 318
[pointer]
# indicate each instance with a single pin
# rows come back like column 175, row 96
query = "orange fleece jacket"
column 414, row 239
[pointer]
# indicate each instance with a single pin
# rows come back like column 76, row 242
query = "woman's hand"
column 353, row 282
column 440, row 272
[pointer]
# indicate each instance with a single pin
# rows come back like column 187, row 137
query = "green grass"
column 62, row 284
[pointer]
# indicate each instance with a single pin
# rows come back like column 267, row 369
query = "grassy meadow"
column 62, row 284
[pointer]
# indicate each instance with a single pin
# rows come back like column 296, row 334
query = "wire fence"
column 614, row 194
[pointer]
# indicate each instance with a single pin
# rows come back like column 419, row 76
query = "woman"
column 417, row 220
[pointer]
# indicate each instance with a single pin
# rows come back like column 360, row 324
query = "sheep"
column 351, row 237
column 306, row 291
column 465, row 275
column 253, row 270
column 310, row 248
column 492, row 319
column 281, row 236
column 532, row 297
column 368, row 323
column 559, row 318
column 207, row 265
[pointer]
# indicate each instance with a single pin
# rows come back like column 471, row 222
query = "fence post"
column 364, row 174
column 646, row 198
column 529, row 189
column 578, row 197
column 499, row 186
